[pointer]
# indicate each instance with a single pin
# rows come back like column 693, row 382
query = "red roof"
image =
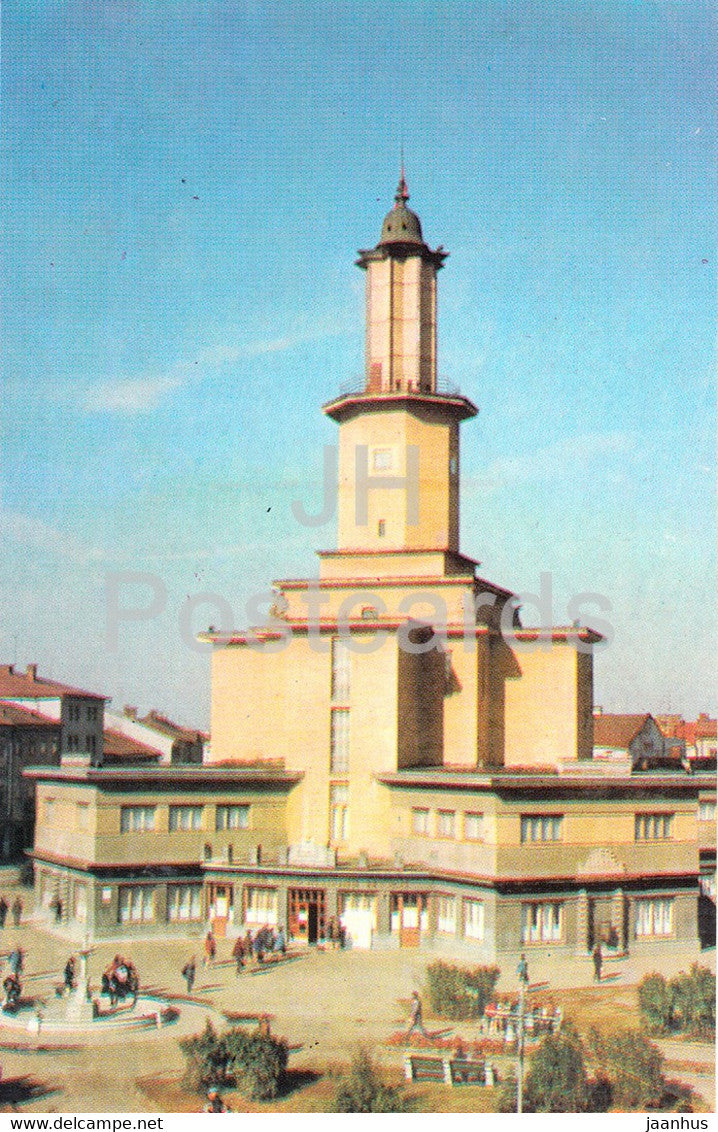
column 617, row 731
column 28, row 685
column 164, row 726
column 13, row 715
column 118, row 746
column 702, row 728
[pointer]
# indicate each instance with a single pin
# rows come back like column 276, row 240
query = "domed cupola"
column 401, row 225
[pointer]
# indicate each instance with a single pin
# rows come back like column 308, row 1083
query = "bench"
column 448, row 1070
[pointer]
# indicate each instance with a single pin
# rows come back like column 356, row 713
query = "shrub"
column 362, row 1091
column 460, row 992
column 632, row 1065
column 257, row 1062
column 557, row 1080
column 206, row 1060
column 694, row 998
column 655, row 998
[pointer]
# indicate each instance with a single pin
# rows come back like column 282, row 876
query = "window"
column 381, row 528
column 73, row 713
column 383, row 460
column 184, row 902
column 137, row 819
column 82, row 813
column 707, row 811
column 654, row 917
column 79, row 901
column 446, row 915
column 653, row 827
column 473, row 826
column 359, row 903
column 136, row 904
column 261, row 906
column 541, row 923
column 231, row 817
column 73, row 742
column 541, row 827
column 341, row 671
column 92, row 713
column 474, row 919
column 338, row 810
column 339, row 757
column 185, row 818
column 445, row 823
column 420, row 822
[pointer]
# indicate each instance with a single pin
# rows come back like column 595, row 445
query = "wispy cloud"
column 556, row 461
column 40, row 536
column 128, row 395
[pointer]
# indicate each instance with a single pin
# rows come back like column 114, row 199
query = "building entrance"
column 408, row 917
column 307, row 914
column 220, row 902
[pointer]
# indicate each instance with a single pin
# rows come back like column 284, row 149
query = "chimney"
column 130, row 712
column 31, row 671
column 6, row 669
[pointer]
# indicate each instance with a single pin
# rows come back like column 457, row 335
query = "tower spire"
column 402, row 191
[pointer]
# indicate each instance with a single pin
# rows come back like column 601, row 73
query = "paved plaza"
column 325, row 1003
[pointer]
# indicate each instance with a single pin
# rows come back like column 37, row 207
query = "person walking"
column 597, row 956
column 69, row 974
column 15, row 961
column 416, row 1020
column 16, row 911
column 189, row 972
column 523, row 970
column 210, row 948
column 238, row 954
column 3, row 911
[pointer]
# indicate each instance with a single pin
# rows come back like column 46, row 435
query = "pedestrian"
column 15, row 960
column 16, row 911
column 416, row 1021
column 523, row 970
column 280, row 942
column 3, row 911
column 69, row 974
column 238, row 953
column 215, row 1102
column 597, row 956
column 189, row 972
column 210, row 948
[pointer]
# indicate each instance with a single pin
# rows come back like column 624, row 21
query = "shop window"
column 184, row 902
column 261, row 906
column 654, row 917
column 541, row 922
column 136, row 904
column 446, row 915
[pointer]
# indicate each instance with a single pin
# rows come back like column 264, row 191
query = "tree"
column 633, row 1067
column 557, row 1080
column 362, row 1091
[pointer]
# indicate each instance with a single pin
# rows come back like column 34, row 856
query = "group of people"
column 250, row 946
column 15, row 909
column 11, row 984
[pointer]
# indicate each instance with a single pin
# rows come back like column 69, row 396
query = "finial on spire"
column 402, row 192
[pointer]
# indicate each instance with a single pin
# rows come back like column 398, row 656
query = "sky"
column 185, row 186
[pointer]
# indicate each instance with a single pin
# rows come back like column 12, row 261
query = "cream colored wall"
column 438, row 489
column 461, row 703
column 401, row 321
column 541, row 705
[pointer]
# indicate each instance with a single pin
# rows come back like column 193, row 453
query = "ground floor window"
column 654, row 916
column 409, row 911
column 261, row 906
column 446, row 915
column 353, row 904
column 79, row 901
column 136, row 904
column 184, row 902
column 542, row 923
column 474, row 919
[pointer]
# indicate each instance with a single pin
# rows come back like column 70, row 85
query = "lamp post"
column 520, row 1048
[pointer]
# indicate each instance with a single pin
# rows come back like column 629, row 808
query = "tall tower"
column 398, row 435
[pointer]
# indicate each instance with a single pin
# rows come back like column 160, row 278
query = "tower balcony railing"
column 356, row 387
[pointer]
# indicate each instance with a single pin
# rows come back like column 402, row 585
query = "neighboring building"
column 637, row 738
column 175, row 743
column 79, row 714
column 392, row 746
column 26, row 738
column 700, row 739
column 119, row 749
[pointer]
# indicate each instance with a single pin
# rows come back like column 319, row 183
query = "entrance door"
column 408, row 916
column 306, row 908
column 220, row 897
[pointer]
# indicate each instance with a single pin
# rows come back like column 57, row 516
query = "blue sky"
column 186, row 184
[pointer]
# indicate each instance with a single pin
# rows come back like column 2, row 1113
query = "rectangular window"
column 341, row 670
column 231, row 817
column 185, row 818
column 137, row 819
column 339, row 758
column 383, row 459
column 654, row 917
column 653, row 827
column 261, row 906
column 473, row 826
column 474, row 919
column 446, row 915
column 338, row 811
column 92, row 713
column 542, row 923
column 541, row 827
column 420, row 822
column 352, row 904
column 136, row 904
column 381, row 528
column 82, row 813
column 445, row 823
column 707, row 811
column 184, row 902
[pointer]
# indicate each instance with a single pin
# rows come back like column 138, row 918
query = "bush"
column 633, row 1067
column 655, row 998
column 459, row 992
column 362, row 1091
column 557, row 1079
column 256, row 1063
